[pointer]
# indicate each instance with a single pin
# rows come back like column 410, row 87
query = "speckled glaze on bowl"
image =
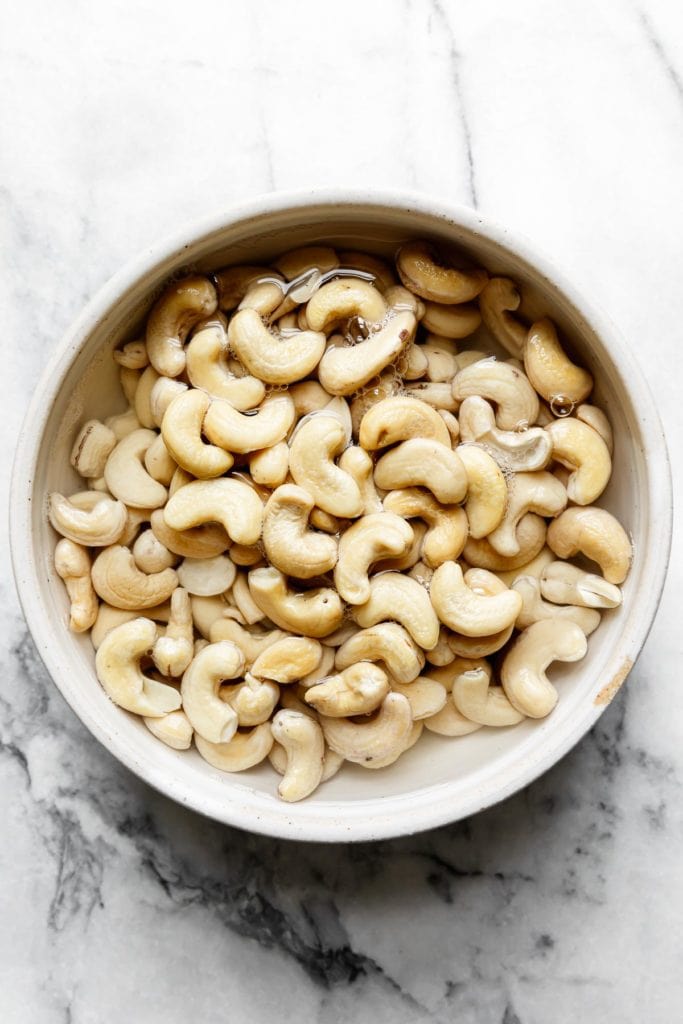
column 439, row 780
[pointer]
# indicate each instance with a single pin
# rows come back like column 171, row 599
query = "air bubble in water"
column 561, row 406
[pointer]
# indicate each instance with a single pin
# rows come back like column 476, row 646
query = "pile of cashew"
column 319, row 517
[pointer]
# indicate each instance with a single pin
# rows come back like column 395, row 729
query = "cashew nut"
column 451, row 321
column 250, row 642
column 581, row 449
column 597, row 419
column 207, row 368
column 273, row 357
column 466, row 611
column 379, row 535
column 447, row 525
column 117, row 663
column 442, row 653
column 477, row 699
column 564, row 583
column 181, row 429
column 173, row 652
column 241, row 432
column 182, row 305
column 516, row 451
column 72, row 564
column 92, row 447
column 523, row 670
column 270, row 466
column 126, row 477
column 173, row 729
column 537, row 492
column 534, row 568
column 313, row 612
column 449, row 721
column 505, row 386
column 141, row 398
column 119, row 582
column 427, row 463
column 357, row 690
column 387, row 642
column 376, row 740
column 357, row 463
column 227, row 501
column 211, row 718
column 206, row 577
column 151, row 555
column 402, row 299
column 424, row 271
column 400, row 419
column 497, row 302
column 252, row 700
column 343, row 298
column 296, row 262
column 89, row 517
column 123, row 423
column 244, row 750
column 160, row 397
column 313, row 448
column 323, row 669
column 531, row 536
column 288, row 660
column 369, row 264
column 308, row 396
column 205, row 541
column 487, row 492
column 246, row 554
column 159, row 463
column 412, row 555
column 398, row 597
column 343, row 370
column 598, row 535
column 133, row 355
column 241, row 595
column 549, row 368
column 425, row 696
column 232, row 283
column 441, row 358
column 485, row 584
column 439, row 396
column 289, row 544
column 304, row 744
column 534, row 608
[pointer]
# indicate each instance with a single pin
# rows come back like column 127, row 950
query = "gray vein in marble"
column 661, row 54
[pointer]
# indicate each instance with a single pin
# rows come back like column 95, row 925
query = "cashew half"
column 227, row 501
column 423, row 270
column 126, row 477
column 476, row 699
column 272, row 357
column 207, row 368
column 387, row 642
column 564, row 583
column 549, row 368
column 344, row 298
column 427, row 463
column 119, row 582
column 357, row 690
column 447, row 525
column 379, row 535
column 89, row 518
column 523, row 670
column 117, row 663
column 211, row 718
column 531, row 536
column 72, row 564
column 243, row 751
column 304, row 744
column 206, row 577
column 91, row 449
column 183, row 304
column 313, row 612
column 534, row 608
column 398, row 419
column 487, row 491
column 173, row 729
column 497, row 302
column 289, row 544
column 581, row 449
column 242, row 432
column 539, row 492
column 466, row 611
column 343, row 370
column 516, row 451
column 505, row 386
column 173, row 652
column 377, row 740
column 181, row 429
column 598, row 535
column 398, row 597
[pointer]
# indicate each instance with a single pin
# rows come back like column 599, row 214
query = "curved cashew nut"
column 379, row 535
column 207, row 368
column 476, row 699
column 413, row 737
column 465, row 611
column 523, row 670
column 304, row 744
column 486, row 584
column 151, row 555
column 581, row 449
column 142, row 398
column 410, row 558
column 440, row 354
column 119, row 582
column 159, row 463
column 182, row 305
column 597, row 419
column 312, row 451
column 296, row 262
column 133, row 355
column 598, row 535
column 534, row 608
column 449, row 721
column 265, row 297
column 438, row 396
column 451, row 321
column 89, row 518
column 549, row 368
column 288, row 660
column 117, row 663
column 541, row 493
column 399, row 419
column 516, row 451
column 242, row 432
column 423, row 271
column 91, row 449
column 426, row 463
column 497, row 302
column 181, row 429
column 273, row 358
column 289, row 544
column 369, row 264
column 323, row 669
column 534, row 567
column 173, row 652
column 251, row 643
column 123, row 423
column 357, row 463
column 447, row 525
column 72, row 564
column 313, row 612
column 373, row 741
column 247, row 606
column 232, row 503
column 531, row 537
column 564, row 583
column 308, row 396
column 401, row 300
column 173, row 729
column 245, row 749
column 357, row 690
column 252, row 700
column 343, row 370
column 505, row 386
column 211, row 718
column 441, row 654
column 232, row 283
column 126, row 477
column 387, row 642
column 487, row 491
column 425, row 696
column 270, row 466
column 205, row 541
column 161, row 396
column 343, row 298
column 398, row 597
column 413, row 363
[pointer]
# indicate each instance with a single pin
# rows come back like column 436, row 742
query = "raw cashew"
column 151, row 555
column 534, row 567
column 323, row 669
column 564, row 583
column 243, row 751
column 505, row 386
column 516, row 451
column 487, row 491
column 270, row 466
column 467, row 612
column 250, row 642
column 123, row 423
column 159, row 463
column 89, row 517
column 441, row 358
column 485, row 584
column 246, row 554
column 379, row 535
column 136, row 518
column 313, row 448
column 581, row 449
column 181, row 429
column 182, row 304
column 427, row 463
column 161, row 396
column 173, row 652
column 442, row 653
column 119, row 582
column 308, row 396
column 92, row 447
column 289, row 544
column 118, row 669
column 242, row 432
column 343, row 298
column 304, row 744
column 478, row 700
column 252, row 700
column 205, row 541
column 211, row 718
column 373, row 741
column 296, row 262
column 133, row 355
column 451, row 321
column 126, row 477
column 598, row 535
column 449, row 721
column 241, row 596
column 227, row 501
column 425, row 696
column 343, row 370
column 313, row 612
column 410, row 558
column 142, row 399
column 207, row 368
column 423, row 271
column 401, row 299
column 265, row 297
column 369, row 264
column 288, row 660
column 534, row 608
column 173, row 729
column 357, row 463
column 538, row 492
column 523, row 670
column 232, row 283
column 531, row 536
column 357, row 690
column 597, row 419
column 439, row 396
column 447, row 525
column 393, row 756
column 549, row 368
column 387, row 642
column 72, row 564
column 399, row 419
column 129, row 380
column 398, row 597
column 497, row 302
column 272, row 357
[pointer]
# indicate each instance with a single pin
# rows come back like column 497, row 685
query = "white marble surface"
column 563, row 119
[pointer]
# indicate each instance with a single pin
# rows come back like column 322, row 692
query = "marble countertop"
column 563, row 120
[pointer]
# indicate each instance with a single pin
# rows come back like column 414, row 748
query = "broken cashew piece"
column 598, row 535
column 477, row 699
column 396, row 596
column 581, row 449
column 290, row 545
column 182, row 305
column 119, row 582
column 549, row 368
column 422, row 270
column 313, row 448
column 303, row 742
column 151, row 555
column 313, row 612
column 206, row 577
column 376, row 740
column 523, row 670
column 369, row 539
column 117, row 663
column 89, row 518
column 270, row 466
column 357, row 690
column 72, row 564
column 422, row 462
column 487, row 491
column 181, row 429
column 507, row 387
column 211, row 718
column 232, row 503
column 468, row 612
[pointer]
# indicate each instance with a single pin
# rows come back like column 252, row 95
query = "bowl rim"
column 353, row 823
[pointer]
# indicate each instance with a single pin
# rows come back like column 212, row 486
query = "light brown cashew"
column 426, row 463
column 387, row 642
column 549, row 368
column 181, row 429
column 516, row 451
column 313, row 448
column 523, row 670
column 161, row 396
column 182, row 304
column 242, row 432
column 132, row 355
column 441, row 358
column 357, row 463
column 245, row 749
column 539, row 492
column 270, row 466
column 88, row 517
column 119, row 582
column 246, row 554
column 396, row 596
column 315, row 612
column 91, row 449
column 386, row 734
column 487, row 491
column 425, row 696
column 142, row 399
column 173, row 652
column 241, row 595
column 117, row 663
column 151, row 555
column 448, row 721
column 308, row 396
column 323, row 669
column 232, row 503
column 289, row 543
column 108, row 618
column 477, row 699
column 252, row 700
column 564, row 583
column 303, row 742
column 467, row 612
column 598, row 535
column 206, row 577
column 581, row 449
column 534, row 608
column 343, row 298
column 399, row 419
column 205, row 541
column 442, row 653
column 451, row 321
column 497, row 302
column 173, row 729
column 72, row 564
column 126, row 477
column 211, row 718
column 507, row 387
column 447, row 525
column 123, row 423
column 272, row 357
column 159, row 463
column 534, row 567
column 531, row 536
column 207, row 367
column 379, row 535
column 423, row 270
column 296, row 262
column 369, row 264
column 288, row 660
column 250, row 642
column 597, row 419
column 343, row 370
column 232, row 283
column 357, row 690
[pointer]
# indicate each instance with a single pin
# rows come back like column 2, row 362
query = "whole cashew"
column 531, row 537
column 126, row 477
column 549, row 368
column 173, row 729
column 516, row 451
column 92, row 447
column 505, row 386
column 449, row 721
column 243, row 751
column 252, row 700
column 183, row 304
column 581, row 449
column 89, row 518
column 377, row 740
column 288, row 660
column 227, row 501
column 173, row 652
column 564, row 583
column 537, row 492
column 399, row 419
column 427, row 463
column 597, row 419
column 119, row 582
column 312, row 450
column 133, row 355
column 467, row 612
column 273, row 358
column 387, row 642
column 369, row 264
column 242, row 432
column 598, row 535
column 379, row 535
column 313, row 612
column 486, row 584
column 451, row 321
column 487, row 491
column 357, row 463
column 159, row 462
column 344, row 298
column 304, row 744
column 211, row 718
column 425, row 696
column 523, row 670
column 421, row 269
column 497, row 302
column 447, row 525
column 251, row 643
column 534, row 608
column 161, row 396
column 478, row 700
column 270, row 466
column 207, row 367
column 398, row 597
column 308, row 396
column 357, row 690
column 439, row 396
column 289, row 544
column 343, row 370
column 117, row 663
column 151, row 555
column 205, row 541
column 181, row 429
column 72, row 564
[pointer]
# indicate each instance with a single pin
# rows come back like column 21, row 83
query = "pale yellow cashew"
column 401, row 598
column 332, row 761
column 539, row 492
column 441, row 654
column 272, row 357
column 564, row 583
column 315, row 612
column 446, row 525
column 369, row 264
column 357, row 463
column 206, row 577
column 344, row 632
column 302, row 740
column 422, row 462
column 523, row 670
column 182, row 305
column 516, row 451
column 211, row 718
column 133, row 355
column 448, row 721
column 549, row 368
column 232, row 283
column 497, row 302
column 126, row 477
column 241, row 595
column 250, row 642
column 386, row 385
column 597, row 419
column 531, row 537
column 438, row 396
column 173, row 652
column 72, row 564
column 159, row 462
column 369, row 539
column 232, row 503
column 308, row 396
column 123, row 423
column 323, row 669
column 393, row 756
column 451, row 425
column 413, row 363
column 451, row 321
column 425, row 696
column 208, row 610
column 161, row 396
column 129, row 380
column 410, row 558
column 581, row 449
column 343, row 298
column 181, row 429
column 398, row 419
column 205, row 541
column 142, row 398
column 136, row 518
column 289, row 543
column 486, row 584
column 387, row 642
column 245, row 749
column 119, row 582
column 173, row 729
column 402, row 299
column 208, row 370
column 467, row 612
column 296, row 262
column 507, row 387
column 241, row 432
column 423, row 270
column 151, row 555
column 313, row 448
column 270, row 466
column 117, row 663
column 534, row 608
column 376, row 740
column 91, row 449
column 534, row 567
column 343, row 370
column 487, row 491
column 357, row 690
column 89, row 517
column 598, row 535
column 288, row 660
column 265, row 297
column 477, row 699
column 252, row 700
column 246, row 554
column 441, row 358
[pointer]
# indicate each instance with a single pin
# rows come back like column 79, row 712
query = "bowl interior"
column 439, row 779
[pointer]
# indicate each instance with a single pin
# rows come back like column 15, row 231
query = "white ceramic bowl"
column 439, row 780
